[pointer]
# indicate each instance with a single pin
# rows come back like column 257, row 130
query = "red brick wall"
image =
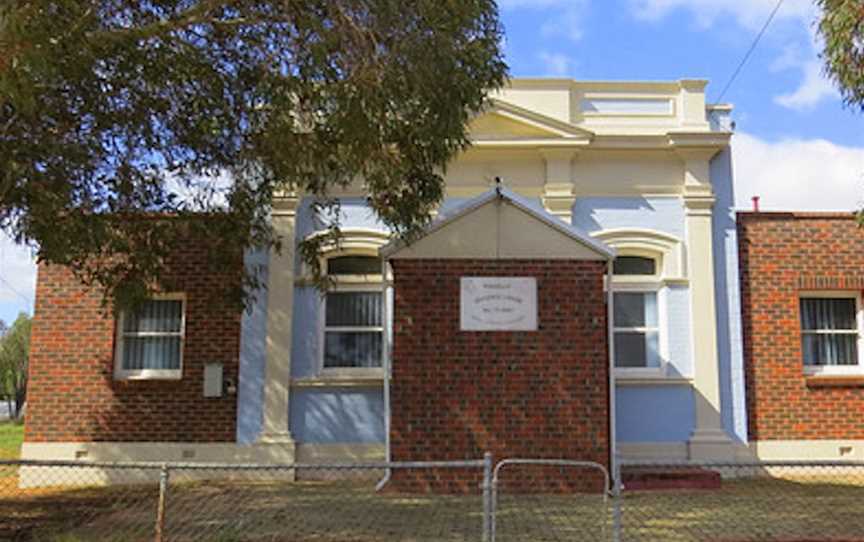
column 782, row 254
column 72, row 394
column 540, row 394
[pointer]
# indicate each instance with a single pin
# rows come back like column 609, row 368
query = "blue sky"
column 779, row 94
column 795, row 145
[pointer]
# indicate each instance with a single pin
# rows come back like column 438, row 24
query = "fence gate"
column 549, row 500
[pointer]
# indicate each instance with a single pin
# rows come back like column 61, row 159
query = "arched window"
column 353, row 309
column 648, row 262
column 634, row 265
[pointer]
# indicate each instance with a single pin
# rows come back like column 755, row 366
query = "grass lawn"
column 11, row 436
column 243, row 511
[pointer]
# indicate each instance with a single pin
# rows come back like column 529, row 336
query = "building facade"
column 801, row 285
column 637, row 174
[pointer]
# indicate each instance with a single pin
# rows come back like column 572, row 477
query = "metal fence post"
column 160, row 509
column 616, row 504
column 488, row 509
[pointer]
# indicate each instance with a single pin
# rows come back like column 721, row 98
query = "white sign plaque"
column 498, row 304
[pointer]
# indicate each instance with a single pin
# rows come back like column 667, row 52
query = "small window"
column 634, row 265
column 353, row 265
column 636, row 331
column 353, row 329
column 829, row 332
column 150, row 340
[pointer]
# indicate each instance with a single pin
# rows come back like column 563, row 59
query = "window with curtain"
column 353, row 315
column 150, row 339
column 635, row 316
column 829, row 331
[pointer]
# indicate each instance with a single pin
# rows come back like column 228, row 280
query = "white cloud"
column 555, row 64
column 18, row 272
column 797, row 174
column 800, row 54
column 565, row 16
column 813, row 89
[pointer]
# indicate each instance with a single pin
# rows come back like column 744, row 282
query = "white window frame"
column 345, row 284
column 816, row 370
column 150, row 374
column 643, row 287
column 643, row 284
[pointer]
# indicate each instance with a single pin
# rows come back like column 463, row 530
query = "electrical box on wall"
column 213, row 380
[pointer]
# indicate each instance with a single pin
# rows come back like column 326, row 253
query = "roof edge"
column 517, row 201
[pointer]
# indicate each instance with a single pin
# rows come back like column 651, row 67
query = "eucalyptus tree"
column 116, row 113
column 842, row 29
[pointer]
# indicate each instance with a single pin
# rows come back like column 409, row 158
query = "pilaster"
column 558, row 191
column 280, row 308
column 708, row 440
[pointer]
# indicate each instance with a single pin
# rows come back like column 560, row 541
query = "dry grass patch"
column 777, row 510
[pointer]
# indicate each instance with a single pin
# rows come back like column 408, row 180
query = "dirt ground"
column 827, row 509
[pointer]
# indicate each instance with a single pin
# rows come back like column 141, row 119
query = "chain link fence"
column 520, row 499
column 72, row 502
column 775, row 501
column 548, row 499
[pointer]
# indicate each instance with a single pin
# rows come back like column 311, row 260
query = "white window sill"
column 360, row 380
column 658, row 375
column 834, row 370
column 149, row 375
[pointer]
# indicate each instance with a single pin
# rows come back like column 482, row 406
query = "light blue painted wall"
column 333, row 416
column 729, row 339
column 665, row 214
column 661, row 413
column 305, row 351
column 354, row 213
column 678, row 325
column 253, row 337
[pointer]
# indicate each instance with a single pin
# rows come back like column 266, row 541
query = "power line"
column 26, row 298
column 750, row 51
column 19, row 294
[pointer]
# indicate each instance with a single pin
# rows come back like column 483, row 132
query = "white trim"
column 812, row 450
column 662, row 344
column 666, row 249
column 330, row 381
column 107, row 452
column 827, row 370
column 150, row 374
column 504, row 194
column 667, row 252
column 352, row 242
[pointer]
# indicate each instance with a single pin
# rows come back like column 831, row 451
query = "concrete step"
column 659, row 478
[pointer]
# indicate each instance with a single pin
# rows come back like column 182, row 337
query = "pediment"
column 499, row 225
column 505, row 121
